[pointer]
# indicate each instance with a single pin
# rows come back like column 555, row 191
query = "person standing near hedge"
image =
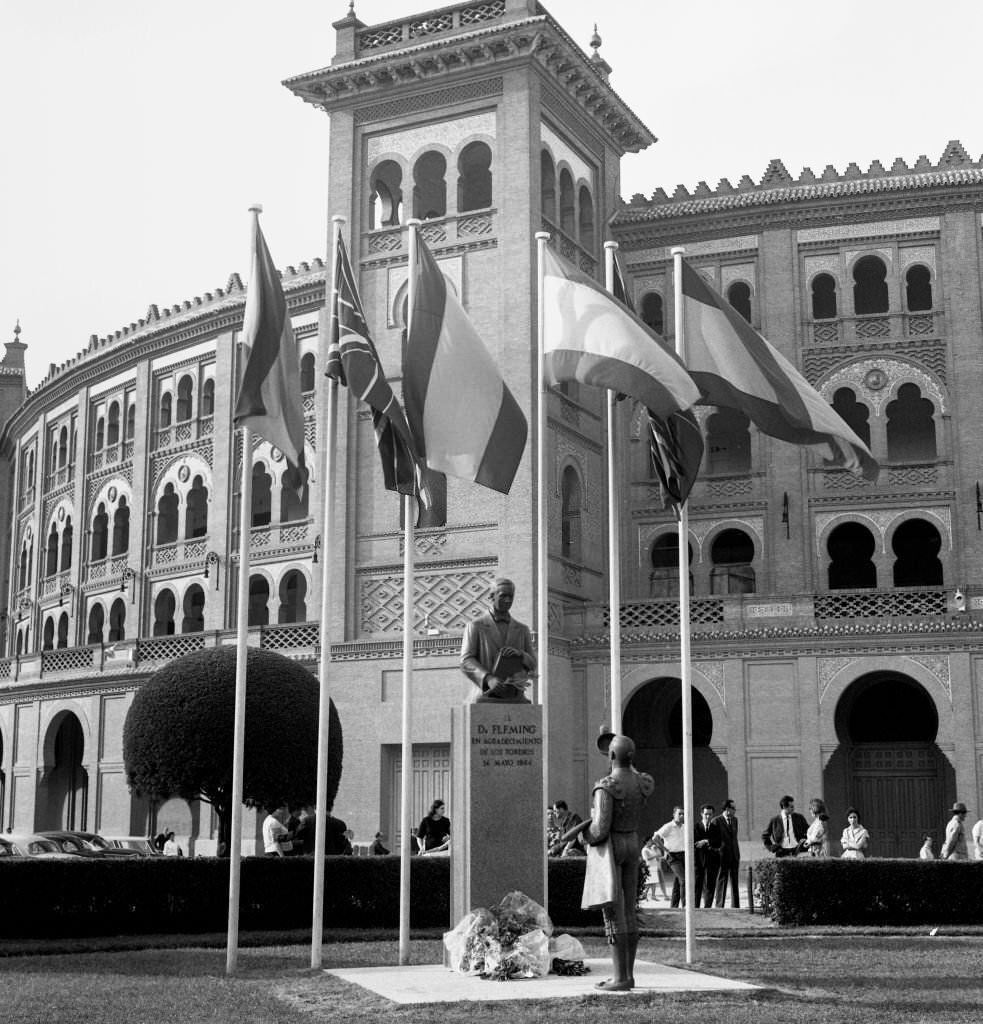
column 706, row 854
column 855, row 838
column 277, row 840
column 785, row 835
column 817, row 838
column 730, row 855
column 978, row 840
column 954, row 847
column 434, row 833
column 926, row 852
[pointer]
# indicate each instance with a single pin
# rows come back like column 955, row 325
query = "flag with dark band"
column 354, row 362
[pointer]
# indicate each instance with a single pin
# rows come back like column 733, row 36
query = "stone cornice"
column 443, row 58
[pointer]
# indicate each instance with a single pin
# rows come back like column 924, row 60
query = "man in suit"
column 706, row 849
column 785, row 835
column 730, row 855
column 493, row 636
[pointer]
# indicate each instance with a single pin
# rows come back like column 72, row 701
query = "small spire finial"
column 17, row 330
column 351, row 8
column 595, row 41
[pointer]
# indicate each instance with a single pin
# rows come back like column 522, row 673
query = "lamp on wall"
column 211, row 559
column 979, row 508
column 128, row 576
column 785, row 515
column 67, row 589
column 317, row 548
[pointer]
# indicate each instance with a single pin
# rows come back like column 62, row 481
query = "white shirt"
column 673, row 837
column 789, row 842
column 978, row 839
column 273, row 832
column 171, row 848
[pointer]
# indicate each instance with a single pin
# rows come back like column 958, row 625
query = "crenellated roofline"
column 777, row 187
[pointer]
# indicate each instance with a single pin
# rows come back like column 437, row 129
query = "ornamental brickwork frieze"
column 430, row 100
column 876, row 382
column 452, row 134
column 827, row 669
column 713, row 673
column 938, row 667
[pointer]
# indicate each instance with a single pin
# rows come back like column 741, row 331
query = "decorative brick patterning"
column 447, row 601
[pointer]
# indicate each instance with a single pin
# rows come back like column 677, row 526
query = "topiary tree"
column 177, row 740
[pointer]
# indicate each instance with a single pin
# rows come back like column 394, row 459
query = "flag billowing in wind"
column 268, row 401
column 675, row 441
column 354, row 362
column 735, row 367
column 591, row 338
column 464, row 419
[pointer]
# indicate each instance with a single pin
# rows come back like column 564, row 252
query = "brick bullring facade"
column 836, row 632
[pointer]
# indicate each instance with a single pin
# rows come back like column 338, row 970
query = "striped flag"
column 675, row 441
column 268, row 401
column 465, row 420
column 354, row 362
column 591, row 338
column 736, row 368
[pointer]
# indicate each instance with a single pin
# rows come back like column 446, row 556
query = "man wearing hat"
column 954, row 847
column 611, row 878
column 496, row 651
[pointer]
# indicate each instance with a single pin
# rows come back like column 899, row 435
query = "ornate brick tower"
column 486, row 121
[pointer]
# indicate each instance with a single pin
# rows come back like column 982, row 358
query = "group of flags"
column 460, row 417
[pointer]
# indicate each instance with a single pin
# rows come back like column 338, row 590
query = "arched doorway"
column 63, row 793
column 653, row 718
column 888, row 765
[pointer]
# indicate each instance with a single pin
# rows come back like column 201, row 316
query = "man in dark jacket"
column 785, row 835
column 730, row 855
column 706, row 849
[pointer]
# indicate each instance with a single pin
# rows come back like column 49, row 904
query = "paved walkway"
column 658, row 916
column 434, row 983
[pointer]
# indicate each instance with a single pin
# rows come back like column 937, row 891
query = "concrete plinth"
column 499, row 837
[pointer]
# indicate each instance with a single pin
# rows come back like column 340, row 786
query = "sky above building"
column 136, row 136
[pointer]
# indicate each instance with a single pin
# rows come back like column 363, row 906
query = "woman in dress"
column 434, row 833
column 653, row 859
column 855, row 837
column 817, row 838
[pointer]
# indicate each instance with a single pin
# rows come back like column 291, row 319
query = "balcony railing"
column 421, row 27
column 874, row 327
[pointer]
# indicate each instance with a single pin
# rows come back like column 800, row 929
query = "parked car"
column 141, row 845
column 30, row 844
column 85, row 844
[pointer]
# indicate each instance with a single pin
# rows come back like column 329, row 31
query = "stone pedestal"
column 498, row 841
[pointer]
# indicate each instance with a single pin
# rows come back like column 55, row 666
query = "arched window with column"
column 121, row 528
column 664, row 574
column 474, row 181
column 653, row 311
column 196, row 513
column 117, row 621
column 823, row 297
column 164, row 606
column 259, row 601
column 112, row 424
column 728, row 442
column 918, row 289
column 851, row 549
column 48, row 634
column 856, row 414
column 739, row 297
column 194, row 610
column 262, row 496
column 293, row 591
column 910, row 426
column 386, row 195
column 185, row 391
column 208, row 398
column 51, row 563
column 131, row 422
column 63, row 447
column 67, row 536
column 586, row 217
column 97, row 618
column 430, row 186
column 568, row 205
column 732, row 554
column 100, row 534
column 307, row 372
column 63, row 630
column 571, row 507
column 870, row 286
column 547, row 186
column 167, row 516
column 165, row 410
column 293, row 497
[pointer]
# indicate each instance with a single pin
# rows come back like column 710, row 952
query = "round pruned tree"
column 177, row 740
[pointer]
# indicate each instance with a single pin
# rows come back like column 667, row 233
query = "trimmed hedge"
column 44, row 897
column 812, row 890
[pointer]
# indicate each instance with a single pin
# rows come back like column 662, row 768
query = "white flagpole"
column 542, row 536
column 406, row 780
column 614, row 527
column 684, row 647
column 242, row 635
column 329, row 441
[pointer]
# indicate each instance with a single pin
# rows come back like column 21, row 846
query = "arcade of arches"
column 886, row 763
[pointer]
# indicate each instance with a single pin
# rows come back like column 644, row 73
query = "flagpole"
column 329, row 442
column 542, row 536
column 614, row 527
column 406, row 779
column 684, row 638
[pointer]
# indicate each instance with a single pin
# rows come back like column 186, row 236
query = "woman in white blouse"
column 817, row 838
column 855, row 837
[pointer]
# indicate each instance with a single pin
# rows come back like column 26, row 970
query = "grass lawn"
column 816, row 978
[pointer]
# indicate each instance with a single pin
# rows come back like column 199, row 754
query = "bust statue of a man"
column 496, row 652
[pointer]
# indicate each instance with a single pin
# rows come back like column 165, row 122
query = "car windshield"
column 6, row 850
column 40, row 846
column 98, row 843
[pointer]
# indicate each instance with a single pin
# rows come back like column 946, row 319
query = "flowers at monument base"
column 513, row 940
